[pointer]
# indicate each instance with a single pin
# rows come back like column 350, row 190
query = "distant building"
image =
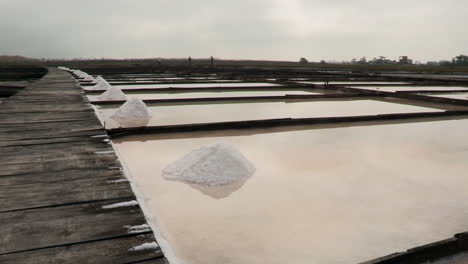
column 405, row 60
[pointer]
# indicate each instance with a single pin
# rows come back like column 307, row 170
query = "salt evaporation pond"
column 191, row 85
column 412, row 88
column 173, row 114
column 179, row 95
column 333, row 196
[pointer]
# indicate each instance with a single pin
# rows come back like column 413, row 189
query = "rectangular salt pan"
column 334, row 196
column 212, row 94
column 189, row 85
column 208, row 113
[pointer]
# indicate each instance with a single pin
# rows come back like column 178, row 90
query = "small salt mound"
column 112, row 93
column 102, row 85
column 98, row 79
column 88, row 78
column 213, row 165
column 132, row 114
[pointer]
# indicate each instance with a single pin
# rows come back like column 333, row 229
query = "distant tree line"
column 460, row 60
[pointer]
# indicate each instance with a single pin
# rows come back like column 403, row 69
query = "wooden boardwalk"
column 63, row 196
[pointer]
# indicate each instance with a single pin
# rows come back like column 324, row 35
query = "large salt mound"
column 132, row 114
column 213, row 165
column 102, row 85
column 112, row 93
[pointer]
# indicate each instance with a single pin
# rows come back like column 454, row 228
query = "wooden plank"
column 65, row 225
column 110, row 251
column 58, row 165
column 55, row 140
column 27, row 196
column 58, row 176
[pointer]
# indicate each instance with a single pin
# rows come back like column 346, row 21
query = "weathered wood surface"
column 58, row 174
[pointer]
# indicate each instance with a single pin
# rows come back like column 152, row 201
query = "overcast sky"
column 242, row 29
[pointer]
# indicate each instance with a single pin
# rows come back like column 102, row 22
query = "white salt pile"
column 101, row 85
column 112, row 94
column 133, row 113
column 213, row 165
column 88, row 78
column 98, row 79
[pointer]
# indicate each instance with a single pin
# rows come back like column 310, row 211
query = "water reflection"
column 220, row 191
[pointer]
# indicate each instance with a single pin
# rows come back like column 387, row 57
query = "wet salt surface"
column 187, row 85
column 207, row 113
column 178, row 95
column 330, row 196
column 411, row 88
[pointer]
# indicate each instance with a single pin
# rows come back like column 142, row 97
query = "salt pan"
column 113, row 93
column 213, row 165
column 133, row 113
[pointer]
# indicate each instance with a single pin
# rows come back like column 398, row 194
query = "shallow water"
column 179, row 95
column 331, row 196
column 411, row 88
column 208, row 113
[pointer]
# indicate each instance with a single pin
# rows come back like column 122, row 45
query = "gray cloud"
column 256, row 29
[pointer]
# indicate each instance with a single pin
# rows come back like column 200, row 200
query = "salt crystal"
column 213, row 165
column 133, row 113
column 145, row 246
column 113, row 93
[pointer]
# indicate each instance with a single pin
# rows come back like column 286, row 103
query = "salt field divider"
column 287, row 97
column 430, row 252
column 329, row 122
column 220, row 88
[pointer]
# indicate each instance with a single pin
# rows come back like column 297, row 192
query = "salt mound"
column 213, row 165
column 102, row 85
column 112, row 93
column 88, row 78
column 98, row 79
column 132, row 114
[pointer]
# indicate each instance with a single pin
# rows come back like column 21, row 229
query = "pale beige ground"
column 329, row 196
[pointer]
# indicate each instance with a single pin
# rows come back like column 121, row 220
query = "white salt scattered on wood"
column 213, row 165
column 117, row 205
column 113, row 93
column 138, row 229
column 132, row 114
column 145, row 246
